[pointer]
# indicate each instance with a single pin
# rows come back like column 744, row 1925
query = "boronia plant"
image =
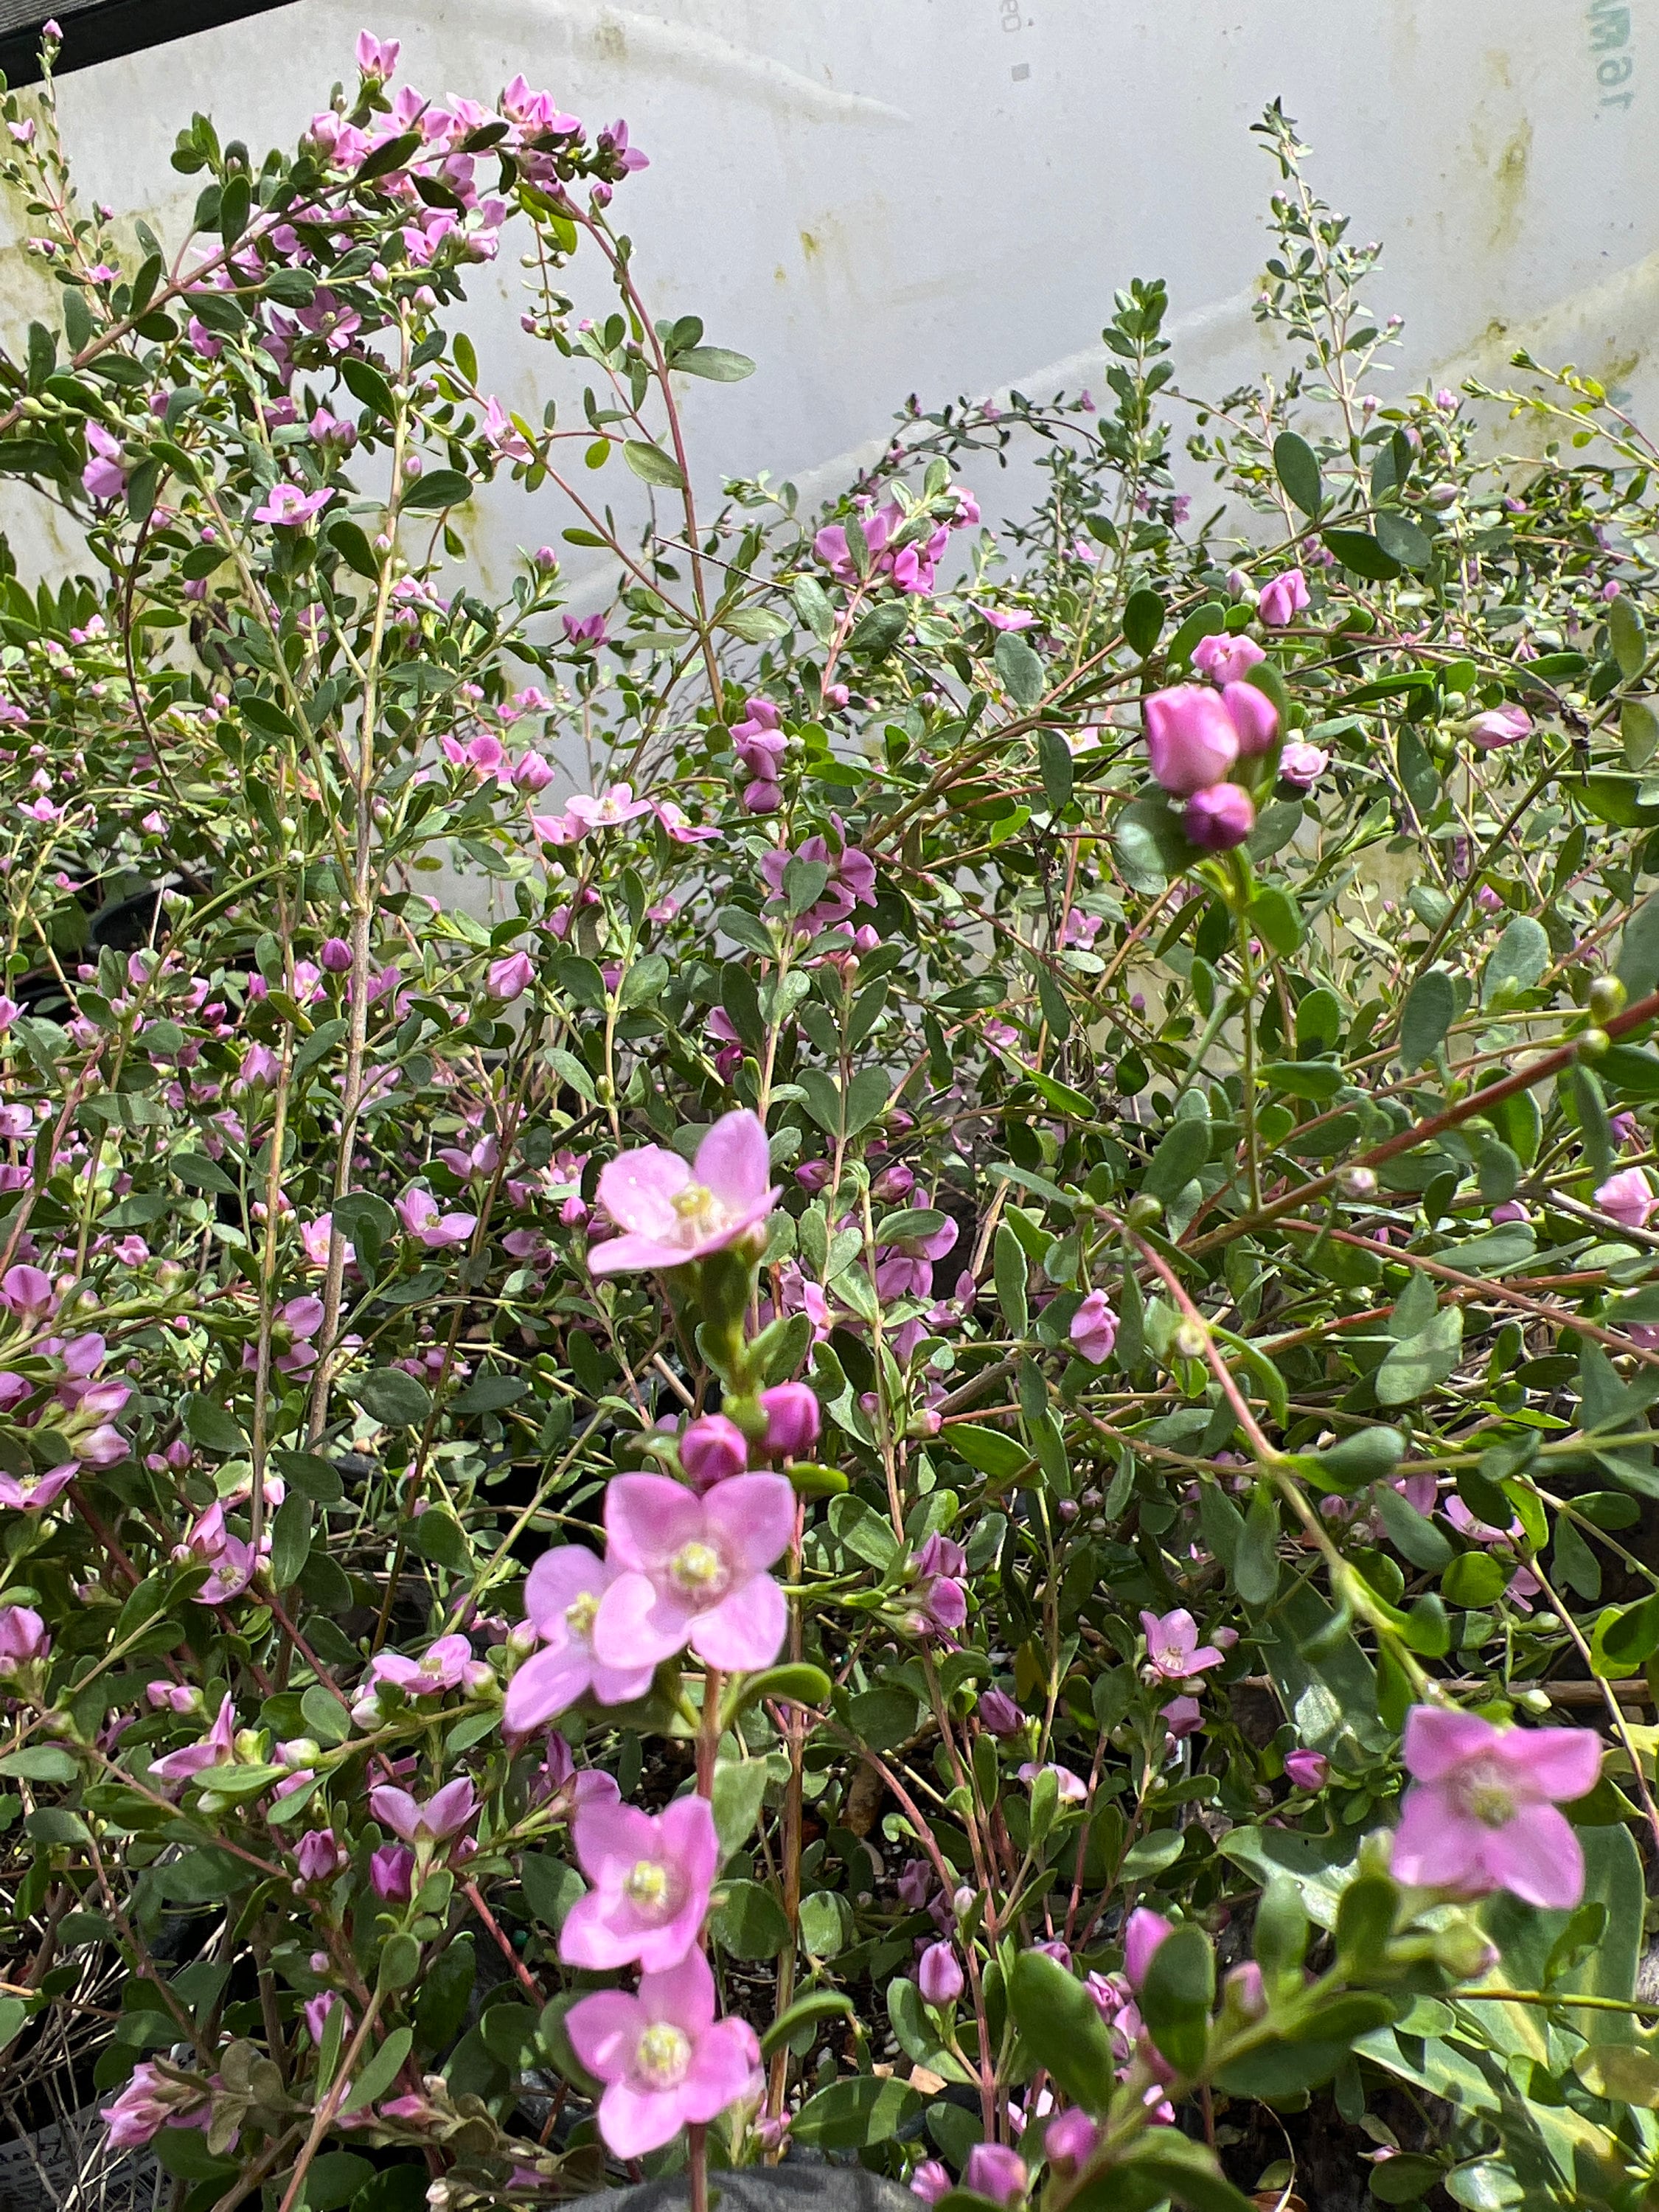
column 920, row 1429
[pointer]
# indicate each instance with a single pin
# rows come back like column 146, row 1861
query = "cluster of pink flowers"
column 1196, row 737
column 905, row 548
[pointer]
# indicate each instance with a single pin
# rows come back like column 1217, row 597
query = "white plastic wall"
column 876, row 196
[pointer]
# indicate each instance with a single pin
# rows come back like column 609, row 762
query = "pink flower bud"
column 336, row 955
column 938, row 1975
column 712, row 1451
column 1307, row 1769
column 994, row 2171
column 1000, row 1714
column 791, row 1420
column 931, row 2181
column 510, row 978
column 1283, row 599
column 1218, row 819
column 390, row 1869
column 1070, row 2139
column 1253, row 714
column 1499, row 725
column 1191, row 739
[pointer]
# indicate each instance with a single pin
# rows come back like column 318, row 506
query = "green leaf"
column 1297, row 470
column 1183, row 1149
column 1639, row 954
column 1418, row 1363
column 988, row 1450
column 1474, row 1579
column 1518, row 959
column 1020, row 668
column 1061, row 2027
column 1165, row 2161
column 550, row 1886
column 718, row 363
column 442, row 487
column 1143, row 616
column 1403, row 540
column 1412, row 1534
column 854, row 2112
column 391, row 1397
column 805, row 2012
column 1150, row 843
column 211, row 1426
column 738, row 1788
column 1359, row 550
column 290, row 1538
column 1054, row 764
column 1176, row 1995
column 1425, row 1017
column 750, row 1923
column 1638, row 731
column 1255, row 1562
column 40, row 1762
column 391, row 155
column 1009, row 1267
column 653, row 466
column 756, row 625
column 373, row 2080
column 1628, row 637
column 1277, row 920
column 885, row 1717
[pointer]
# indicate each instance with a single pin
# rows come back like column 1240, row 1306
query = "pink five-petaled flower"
column 1497, row 726
column 561, row 1600
column 440, row 1667
column 1226, row 659
column 1094, row 1329
column 1301, row 765
column 1481, row 1813
column 618, row 806
column 445, row 1813
column 671, row 1214
column 663, row 2056
column 1627, row 1198
column 216, row 1748
column 1173, row 1651
column 695, row 1570
column 32, row 1494
column 1283, row 599
column 651, row 1879
column 290, row 509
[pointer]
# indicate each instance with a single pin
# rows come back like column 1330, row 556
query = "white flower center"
column 647, row 1885
column 663, row 2056
column 1484, row 1794
column 699, row 1570
column 579, row 1616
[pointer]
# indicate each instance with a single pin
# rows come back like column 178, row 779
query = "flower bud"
column 713, row 1449
column 1242, row 1994
column 1607, row 998
column 336, row 955
column 1357, row 1183
column 1463, row 1949
column 1000, row 1714
column 791, row 1420
column 1070, row 2139
column 939, row 1975
column 1190, row 1339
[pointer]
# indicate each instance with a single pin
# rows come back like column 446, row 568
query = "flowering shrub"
column 541, row 1638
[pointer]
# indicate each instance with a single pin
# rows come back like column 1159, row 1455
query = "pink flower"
column 1307, row 1769
column 1191, row 739
column 792, row 1420
column 1143, row 1932
column 588, row 631
column 665, row 2058
column 510, row 978
column 152, row 2100
column 994, row 2171
column 940, row 1601
column 1173, row 1651
column 1302, row 765
column 419, row 1212
column 1627, row 1198
column 216, row 1748
column 29, row 1292
column 694, row 1572
column 1498, row 726
column 103, row 477
column 1254, row 715
column 22, row 1636
column 318, row 1855
column 1218, row 819
column 938, row 1975
column 1226, row 659
column 651, row 1879
column 713, row 1449
column 289, row 507
column 561, row 1598
column 931, row 2181
column 618, row 804
column 439, row 1668
column 314, row 1238
column 1481, row 1811
column 32, row 1494
column 1283, row 599
column 1094, row 1329
column 1181, row 1716
column 377, row 57
column 671, row 1214
column 999, row 620
column 445, row 1813
column 1073, row 1790
column 679, row 826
